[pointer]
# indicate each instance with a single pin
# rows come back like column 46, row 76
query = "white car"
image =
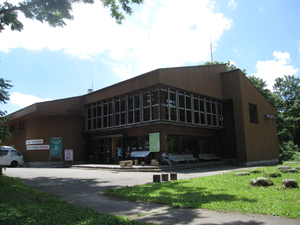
column 11, row 157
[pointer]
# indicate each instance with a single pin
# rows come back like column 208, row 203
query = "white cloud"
column 158, row 35
column 24, row 100
column 269, row 70
column 232, row 5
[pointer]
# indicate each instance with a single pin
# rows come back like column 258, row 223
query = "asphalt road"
column 84, row 187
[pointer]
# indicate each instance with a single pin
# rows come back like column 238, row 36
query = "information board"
column 154, row 142
column 55, row 147
column 68, row 155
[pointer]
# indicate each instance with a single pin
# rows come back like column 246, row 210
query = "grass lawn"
column 225, row 192
column 22, row 204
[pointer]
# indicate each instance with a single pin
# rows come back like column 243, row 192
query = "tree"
column 55, row 12
column 261, row 85
column 288, row 88
column 4, row 97
column 229, row 66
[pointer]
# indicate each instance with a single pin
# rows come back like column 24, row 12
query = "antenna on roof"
column 212, row 59
column 91, row 89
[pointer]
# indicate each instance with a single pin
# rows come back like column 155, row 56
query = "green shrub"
column 273, row 174
column 256, row 171
column 289, row 151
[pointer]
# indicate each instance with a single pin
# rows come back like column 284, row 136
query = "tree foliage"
column 288, row 109
column 229, row 66
column 4, row 97
column 55, row 12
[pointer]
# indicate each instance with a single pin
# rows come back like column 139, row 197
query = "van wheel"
column 14, row 164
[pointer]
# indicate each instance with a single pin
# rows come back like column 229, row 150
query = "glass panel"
column 110, row 108
column 208, row 109
column 130, row 103
column 214, row 120
column 172, row 99
column 146, row 99
column 146, row 114
column 188, row 102
column 181, row 101
column 99, row 109
column 136, row 101
column 202, row 118
column 109, row 121
column 196, row 116
column 201, row 105
column 117, row 106
column 137, row 116
column 196, row 106
column 173, row 114
column 209, row 122
column 105, row 109
column 117, row 120
column 213, row 106
column 123, row 119
column 189, row 116
column 182, row 115
column 99, row 123
column 155, row 113
column 89, row 112
column 154, row 97
column 105, row 122
column 94, row 111
column 123, row 104
column 130, row 118
column 89, row 124
column 94, row 124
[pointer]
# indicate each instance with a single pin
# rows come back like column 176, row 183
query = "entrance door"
column 102, row 150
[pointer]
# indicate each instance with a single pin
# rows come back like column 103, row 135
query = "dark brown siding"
column 44, row 127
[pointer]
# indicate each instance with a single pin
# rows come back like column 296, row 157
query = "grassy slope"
column 225, row 192
column 22, row 204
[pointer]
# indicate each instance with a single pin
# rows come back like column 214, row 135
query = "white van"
column 11, row 157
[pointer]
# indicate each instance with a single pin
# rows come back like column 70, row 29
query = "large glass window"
column 159, row 102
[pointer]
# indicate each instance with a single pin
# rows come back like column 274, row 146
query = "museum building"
column 195, row 110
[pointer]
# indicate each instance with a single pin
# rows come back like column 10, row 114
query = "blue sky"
column 46, row 63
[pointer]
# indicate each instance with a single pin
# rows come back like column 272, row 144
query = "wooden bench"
column 127, row 163
column 184, row 158
column 211, row 156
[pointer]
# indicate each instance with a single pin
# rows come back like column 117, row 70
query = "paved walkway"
column 84, row 187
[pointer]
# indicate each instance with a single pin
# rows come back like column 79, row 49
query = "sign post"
column 154, row 142
column 69, row 155
column 55, row 148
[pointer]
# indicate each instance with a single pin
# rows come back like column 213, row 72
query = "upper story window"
column 253, row 113
column 151, row 104
column 21, row 126
column 12, row 128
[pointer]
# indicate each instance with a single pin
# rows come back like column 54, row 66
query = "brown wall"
column 232, row 90
column 130, row 85
column 72, row 106
column 44, row 127
column 254, row 141
column 261, row 138
column 204, row 80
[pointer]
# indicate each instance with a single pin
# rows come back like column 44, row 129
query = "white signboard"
column 34, row 142
column 38, row 147
column 69, row 155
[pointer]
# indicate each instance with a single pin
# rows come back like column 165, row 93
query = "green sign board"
column 55, row 147
column 154, row 142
